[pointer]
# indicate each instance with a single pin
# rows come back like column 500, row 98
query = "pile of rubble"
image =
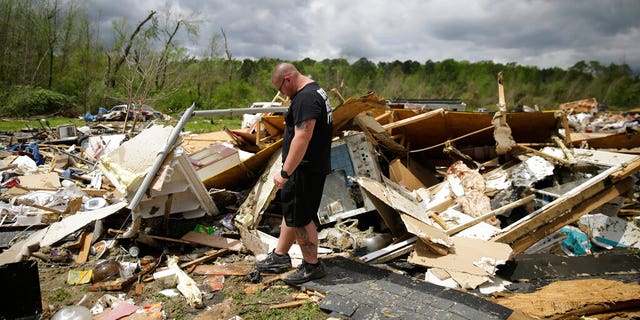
column 463, row 201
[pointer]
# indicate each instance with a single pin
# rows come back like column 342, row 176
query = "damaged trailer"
column 466, row 214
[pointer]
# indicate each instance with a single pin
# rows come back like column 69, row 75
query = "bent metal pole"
column 237, row 111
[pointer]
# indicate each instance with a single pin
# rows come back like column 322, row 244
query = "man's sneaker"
column 306, row 272
column 274, row 263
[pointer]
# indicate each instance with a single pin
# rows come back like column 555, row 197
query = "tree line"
column 56, row 60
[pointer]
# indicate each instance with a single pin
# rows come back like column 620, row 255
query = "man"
column 306, row 152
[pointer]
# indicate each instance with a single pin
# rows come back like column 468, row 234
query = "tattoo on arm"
column 302, row 125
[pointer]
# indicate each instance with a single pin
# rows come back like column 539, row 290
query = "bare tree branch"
column 161, row 77
column 111, row 76
column 228, row 53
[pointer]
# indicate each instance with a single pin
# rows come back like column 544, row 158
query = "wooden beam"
column 544, row 155
column 567, row 129
column 386, row 114
column 375, row 130
column 488, row 215
column 454, row 139
column 567, row 153
column 626, row 171
column 414, row 119
column 85, row 247
column 338, row 95
column 290, row 304
column 207, row 256
column 37, row 206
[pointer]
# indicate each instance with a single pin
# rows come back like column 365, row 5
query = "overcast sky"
column 540, row 33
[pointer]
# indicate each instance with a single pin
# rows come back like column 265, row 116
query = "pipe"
column 237, row 111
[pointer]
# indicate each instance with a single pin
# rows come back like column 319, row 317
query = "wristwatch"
column 284, row 174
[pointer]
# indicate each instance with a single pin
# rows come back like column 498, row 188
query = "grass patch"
column 209, row 124
column 19, row 124
column 194, row 125
column 59, row 295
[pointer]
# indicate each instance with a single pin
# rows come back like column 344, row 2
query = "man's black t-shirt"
column 312, row 102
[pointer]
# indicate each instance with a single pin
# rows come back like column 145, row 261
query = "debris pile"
column 448, row 201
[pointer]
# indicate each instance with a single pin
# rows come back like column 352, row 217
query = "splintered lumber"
column 575, row 299
column 85, row 241
column 290, row 304
column 456, row 154
column 337, row 94
column 501, row 101
column 401, row 123
column 37, row 206
column 490, row 214
column 344, row 113
column 567, row 153
column 213, row 241
column 186, row 285
column 403, row 176
column 234, row 269
column 491, row 127
column 207, row 256
column 375, row 130
column 545, row 155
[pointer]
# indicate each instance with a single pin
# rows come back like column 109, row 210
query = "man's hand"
column 279, row 181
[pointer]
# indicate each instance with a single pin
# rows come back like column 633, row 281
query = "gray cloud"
column 541, row 33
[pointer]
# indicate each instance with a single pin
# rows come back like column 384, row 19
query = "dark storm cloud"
column 541, row 33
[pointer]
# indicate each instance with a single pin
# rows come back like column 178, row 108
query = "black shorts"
column 301, row 197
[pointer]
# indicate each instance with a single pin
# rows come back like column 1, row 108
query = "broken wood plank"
column 627, row 170
column 400, row 174
column 338, row 95
column 233, row 269
column 37, row 206
column 374, row 129
column 207, row 256
column 545, row 155
column 567, row 153
column 575, row 299
column 277, row 277
column 375, row 191
column 213, row 241
column 290, row 304
column 11, row 166
column 491, row 127
column 455, row 154
column 85, row 247
column 386, row 114
column 490, row 214
column 344, row 113
column 401, row 123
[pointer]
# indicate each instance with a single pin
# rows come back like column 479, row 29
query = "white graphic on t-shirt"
column 325, row 96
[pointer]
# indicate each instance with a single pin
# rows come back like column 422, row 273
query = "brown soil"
column 227, row 303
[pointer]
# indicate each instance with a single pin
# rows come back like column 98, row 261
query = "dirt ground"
column 234, row 299
column 238, row 298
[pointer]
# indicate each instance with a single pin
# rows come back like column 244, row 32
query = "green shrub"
column 24, row 101
column 234, row 94
column 177, row 101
